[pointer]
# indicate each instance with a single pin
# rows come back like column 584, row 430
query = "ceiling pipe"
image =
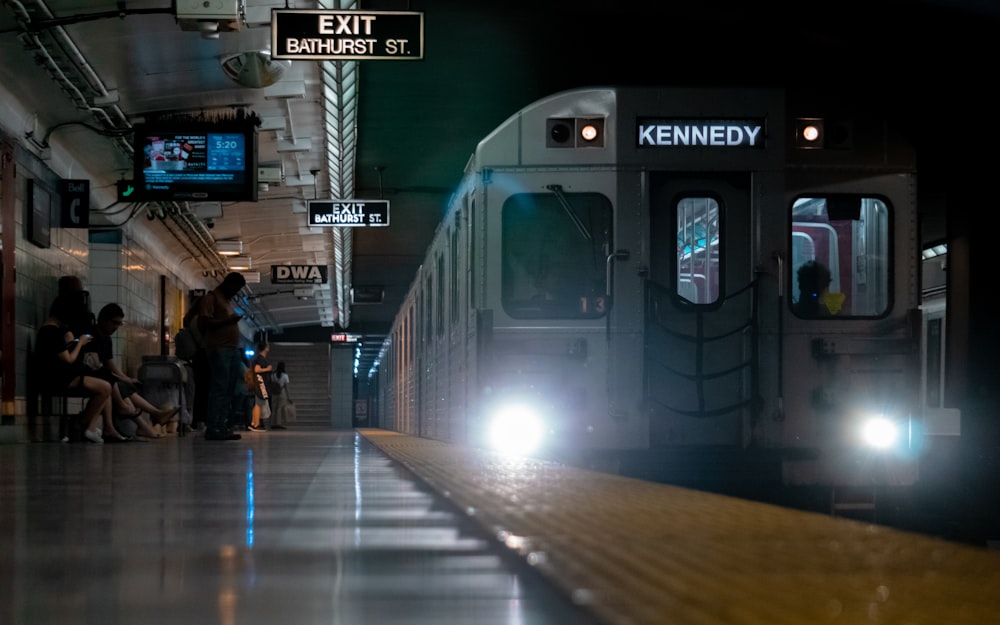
column 68, row 48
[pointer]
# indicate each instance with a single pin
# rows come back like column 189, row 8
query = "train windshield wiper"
column 564, row 202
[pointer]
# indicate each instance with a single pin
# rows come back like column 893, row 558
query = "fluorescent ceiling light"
column 238, row 263
column 229, row 248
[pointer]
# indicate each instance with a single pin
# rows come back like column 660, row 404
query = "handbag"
column 250, row 380
column 289, row 412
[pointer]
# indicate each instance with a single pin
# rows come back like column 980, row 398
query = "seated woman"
column 57, row 351
column 126, row 401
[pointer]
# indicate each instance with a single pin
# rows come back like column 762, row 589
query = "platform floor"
column 368, row 527
column 292, row 527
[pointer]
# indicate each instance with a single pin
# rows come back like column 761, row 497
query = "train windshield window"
column 840, row 257
column 554, row 248
column 698, row 249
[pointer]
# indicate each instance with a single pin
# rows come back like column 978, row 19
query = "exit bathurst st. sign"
column 347, row 35
column 348, row 213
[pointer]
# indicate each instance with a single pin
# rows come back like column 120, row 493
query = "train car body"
column 619, row 274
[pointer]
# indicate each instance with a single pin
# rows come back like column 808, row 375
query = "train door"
column 849, row 341
column 699, row 310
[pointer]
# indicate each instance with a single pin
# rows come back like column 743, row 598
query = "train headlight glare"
column 588, row 132
column 516, row 429
column 880, row 432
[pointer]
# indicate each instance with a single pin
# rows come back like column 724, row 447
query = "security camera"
column 209, row 223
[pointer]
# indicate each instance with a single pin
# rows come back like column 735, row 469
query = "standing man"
column 219, row 325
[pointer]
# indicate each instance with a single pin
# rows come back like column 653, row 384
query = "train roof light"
column 574, row 132
column 809, row 133
column 814, row 133
column 590, row 132
column 559, row 133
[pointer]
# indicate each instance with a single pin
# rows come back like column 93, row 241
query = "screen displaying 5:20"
column 226, row 152
column 196, row 163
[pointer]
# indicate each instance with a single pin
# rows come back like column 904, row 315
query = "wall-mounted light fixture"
column 229, row 247
column 238, row 263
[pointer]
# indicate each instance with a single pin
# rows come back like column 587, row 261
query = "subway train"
column 693, row 284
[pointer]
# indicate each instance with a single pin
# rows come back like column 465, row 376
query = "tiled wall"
column 126, row 273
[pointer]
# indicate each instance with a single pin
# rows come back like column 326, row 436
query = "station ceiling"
column 403, row 130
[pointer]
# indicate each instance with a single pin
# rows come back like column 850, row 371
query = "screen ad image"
column 175, row 162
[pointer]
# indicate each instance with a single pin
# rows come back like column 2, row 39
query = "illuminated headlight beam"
column 516, row 430
column 880, row 432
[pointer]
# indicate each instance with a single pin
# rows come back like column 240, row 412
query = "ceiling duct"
column 209, row 17
column 254, row 69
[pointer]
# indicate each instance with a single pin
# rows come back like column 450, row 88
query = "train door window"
column 840, row 257
column 554, row 248
column 698, row 242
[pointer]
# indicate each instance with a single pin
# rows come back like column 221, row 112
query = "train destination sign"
column 347, row 35
column 298, row 274
column 712, row 133
column 350, row 213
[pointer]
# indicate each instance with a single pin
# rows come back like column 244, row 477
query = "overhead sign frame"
column 348, row 213
column 326, row 35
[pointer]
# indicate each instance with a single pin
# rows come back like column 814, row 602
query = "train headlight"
column 516, row 429
column 880, row 432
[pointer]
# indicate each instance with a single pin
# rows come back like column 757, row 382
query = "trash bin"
column 163, row 382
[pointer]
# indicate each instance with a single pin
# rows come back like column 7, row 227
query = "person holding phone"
column 219, row 325
column 58, row 351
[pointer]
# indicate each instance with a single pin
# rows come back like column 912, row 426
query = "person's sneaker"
column 221, row 435
column 94, row 436
column 256, row 428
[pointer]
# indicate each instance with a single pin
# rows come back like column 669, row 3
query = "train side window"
column 453, row 273
column 428, row 297
column 439, row 303
column 470, row 255
column 554, row 248
column 841, row 260
column 698, row 244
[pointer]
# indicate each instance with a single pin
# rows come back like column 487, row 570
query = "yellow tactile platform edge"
column 636, row 552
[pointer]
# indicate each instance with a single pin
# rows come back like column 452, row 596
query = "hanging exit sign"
column 348, row 213
column 347, row 35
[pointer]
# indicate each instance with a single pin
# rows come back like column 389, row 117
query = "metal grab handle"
column 617, row 255
column 781, row 273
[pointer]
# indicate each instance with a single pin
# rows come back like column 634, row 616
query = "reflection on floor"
column 281, row 527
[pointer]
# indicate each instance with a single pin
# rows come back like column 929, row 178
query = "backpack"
column 250, row 379
column 185, row 345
